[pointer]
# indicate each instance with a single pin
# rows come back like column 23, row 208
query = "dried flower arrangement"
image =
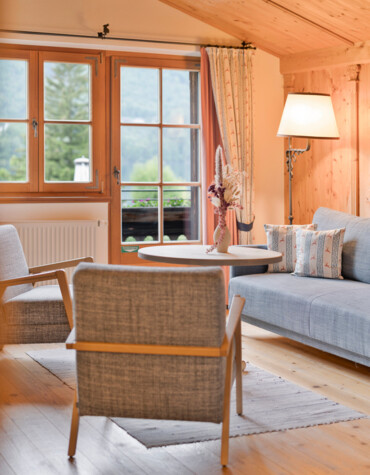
column 224, row 193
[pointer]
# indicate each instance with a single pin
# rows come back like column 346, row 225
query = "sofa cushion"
column 282, row 238
column 319, row 253
column 356, row 244
column 40, row 306
column 342, row 318
column 286, row 300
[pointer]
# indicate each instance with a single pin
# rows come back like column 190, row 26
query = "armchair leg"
column 74, row 428
column 67, row 300
column 238, row 368
column 226, row 412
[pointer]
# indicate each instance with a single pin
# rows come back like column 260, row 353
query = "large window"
column 159, row 154
column 51, row 132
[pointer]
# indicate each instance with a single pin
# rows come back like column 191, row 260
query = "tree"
column 66, row 99
column 13, row 106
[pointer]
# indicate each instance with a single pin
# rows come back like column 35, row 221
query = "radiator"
column 46, row 242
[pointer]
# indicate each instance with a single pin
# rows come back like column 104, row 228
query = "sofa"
column 332, row 315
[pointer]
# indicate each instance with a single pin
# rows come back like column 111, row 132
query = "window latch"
column 34, row 126
column 116, row 174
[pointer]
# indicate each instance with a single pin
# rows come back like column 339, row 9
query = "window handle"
column 116, row 174
column 34, row 126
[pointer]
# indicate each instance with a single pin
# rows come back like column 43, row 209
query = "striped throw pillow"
column 282, row 238
column 319, row 253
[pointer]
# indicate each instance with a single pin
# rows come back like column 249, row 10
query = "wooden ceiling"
column 285, row 27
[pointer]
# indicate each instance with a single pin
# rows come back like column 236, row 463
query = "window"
column 51, row 122
column 158, row 153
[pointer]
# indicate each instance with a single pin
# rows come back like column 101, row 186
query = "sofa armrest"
column 236, row 271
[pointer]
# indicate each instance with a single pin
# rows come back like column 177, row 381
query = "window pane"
column 180, row 154
column 13, row 152
column 139, row 95
column 13, row 89
column 67, row 91
column 139, row 153
column 180, row 97
column 65, row 146
column 181, row 213
column 139, row 207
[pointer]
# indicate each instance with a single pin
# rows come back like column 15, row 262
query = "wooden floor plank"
column 35, row 410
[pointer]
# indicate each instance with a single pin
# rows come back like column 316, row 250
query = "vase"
column 222, row 244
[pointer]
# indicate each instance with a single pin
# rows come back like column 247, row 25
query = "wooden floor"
column 36, row 407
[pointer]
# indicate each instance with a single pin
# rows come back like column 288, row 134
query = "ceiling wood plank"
column 284, row 27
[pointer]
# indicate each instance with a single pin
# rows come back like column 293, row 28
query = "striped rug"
column 270, row 404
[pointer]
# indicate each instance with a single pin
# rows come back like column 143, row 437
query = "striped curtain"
column 231, row 74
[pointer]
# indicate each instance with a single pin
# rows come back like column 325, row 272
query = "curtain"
column 211, row 138
column 231, row 75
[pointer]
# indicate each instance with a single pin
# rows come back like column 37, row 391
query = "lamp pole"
column 291, row 156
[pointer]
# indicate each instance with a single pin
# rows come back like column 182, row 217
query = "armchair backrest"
column 153, row 306
column 12, row 261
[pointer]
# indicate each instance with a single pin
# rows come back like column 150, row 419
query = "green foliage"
column 148, row 238
column 66, row 98
column 182, row 237
column 130, row 239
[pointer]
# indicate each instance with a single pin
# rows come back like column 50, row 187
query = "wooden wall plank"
column 364, row 140
column 327, row 57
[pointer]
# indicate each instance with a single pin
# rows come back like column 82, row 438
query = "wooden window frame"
column 37, row 189
column 32, row 142
column 155, row 62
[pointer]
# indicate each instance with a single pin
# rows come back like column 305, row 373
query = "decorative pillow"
column 282, row 238
column 319, row 253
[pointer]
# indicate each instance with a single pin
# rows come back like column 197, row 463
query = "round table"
column 196, row 255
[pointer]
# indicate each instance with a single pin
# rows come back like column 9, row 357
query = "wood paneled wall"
column 334, row 173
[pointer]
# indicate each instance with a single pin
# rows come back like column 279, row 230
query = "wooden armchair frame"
column 232, row 333
column 48, row 272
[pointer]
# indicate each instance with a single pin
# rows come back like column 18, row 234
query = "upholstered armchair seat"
column 39, row 306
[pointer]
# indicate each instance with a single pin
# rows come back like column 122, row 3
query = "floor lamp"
column 310, row 116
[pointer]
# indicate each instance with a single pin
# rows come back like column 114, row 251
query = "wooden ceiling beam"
column 327, row 57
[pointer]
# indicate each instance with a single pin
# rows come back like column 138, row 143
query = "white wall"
column 269, row 158
column 154, row 20
column 143, row 19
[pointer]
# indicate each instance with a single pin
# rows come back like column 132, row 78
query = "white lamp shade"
column 308, row 115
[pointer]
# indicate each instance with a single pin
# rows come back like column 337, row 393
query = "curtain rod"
column 102, row 36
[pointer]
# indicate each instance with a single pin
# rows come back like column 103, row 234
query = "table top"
column 197, row 255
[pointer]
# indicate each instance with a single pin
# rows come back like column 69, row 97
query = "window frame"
column 32, row 142
column 37, row 189
column 157, row 62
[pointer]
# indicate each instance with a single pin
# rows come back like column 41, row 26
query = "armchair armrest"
column 60, row 265
column 28, row 279
column 59, row 274
column 234, row 319
column 236, row 271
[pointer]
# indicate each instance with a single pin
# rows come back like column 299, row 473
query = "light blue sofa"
column 332, row 315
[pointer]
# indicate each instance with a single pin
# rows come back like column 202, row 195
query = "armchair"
column 152, row 343
column 31, row 314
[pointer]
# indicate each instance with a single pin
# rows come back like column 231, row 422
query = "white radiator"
column 46, row 242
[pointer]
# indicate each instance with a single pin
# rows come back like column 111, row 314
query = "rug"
column 270, row 404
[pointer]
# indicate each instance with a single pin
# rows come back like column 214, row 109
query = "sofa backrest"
column 356, row 247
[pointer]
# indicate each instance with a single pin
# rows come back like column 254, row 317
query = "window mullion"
column 160, row 194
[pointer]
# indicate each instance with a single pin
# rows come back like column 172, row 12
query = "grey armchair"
column 152, row 343
column 31, row 314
